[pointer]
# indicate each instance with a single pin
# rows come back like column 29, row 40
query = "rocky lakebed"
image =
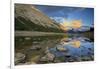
column 51, row 49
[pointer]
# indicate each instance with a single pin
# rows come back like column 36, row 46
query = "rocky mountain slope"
column 29, row 18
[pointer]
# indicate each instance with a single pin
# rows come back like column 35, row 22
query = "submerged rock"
column 19, row 57
column 47, row 50
column 59, row 59
column 47, row 57
column 36, row 47
column 50, row 56
column 70, row 60
column 92, row 57
column 85, row 58
column 27, row 38
column 35, row 42
column 43, row 59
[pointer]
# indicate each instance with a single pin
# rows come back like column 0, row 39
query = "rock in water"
column 48, row 57
column 43, row 59
column 19, row 57
column 85, row 58
column 47, row 50
column 36, row 47
column 27, row 38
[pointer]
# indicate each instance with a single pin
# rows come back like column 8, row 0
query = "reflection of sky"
column 83, row 50
column 69, row 13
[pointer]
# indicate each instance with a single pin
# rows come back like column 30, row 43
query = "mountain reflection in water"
column 49, row 49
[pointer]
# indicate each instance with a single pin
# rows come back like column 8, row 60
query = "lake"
column 53, row 49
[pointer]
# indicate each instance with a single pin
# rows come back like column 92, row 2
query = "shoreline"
column 37, row 33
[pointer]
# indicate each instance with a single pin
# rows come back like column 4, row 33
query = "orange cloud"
column 65, row 25
column 76, row 24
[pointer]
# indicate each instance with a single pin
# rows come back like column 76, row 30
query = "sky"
column 62, row 13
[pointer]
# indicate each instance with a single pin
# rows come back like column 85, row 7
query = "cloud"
column 58, row 19
column 69, row 13
column 58, row 11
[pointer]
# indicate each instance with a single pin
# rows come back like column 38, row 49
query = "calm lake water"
column 53, row 49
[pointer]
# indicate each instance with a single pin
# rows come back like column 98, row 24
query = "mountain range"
column 29, row 18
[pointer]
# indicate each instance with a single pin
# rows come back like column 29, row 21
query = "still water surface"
column 53, row 49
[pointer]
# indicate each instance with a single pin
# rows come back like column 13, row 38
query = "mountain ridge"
column 27, row 17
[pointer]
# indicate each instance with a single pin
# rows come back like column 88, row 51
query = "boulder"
column 27, row 38
column 85, row 58
column 50, row 56
column 43, row 59
column 35, row 42
column 36, row 47
column 19, row 57
column 47, row 57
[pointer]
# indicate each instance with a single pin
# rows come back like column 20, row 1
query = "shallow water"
column 53, row 49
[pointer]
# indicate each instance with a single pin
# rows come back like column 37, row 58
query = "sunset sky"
column 68, row 14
